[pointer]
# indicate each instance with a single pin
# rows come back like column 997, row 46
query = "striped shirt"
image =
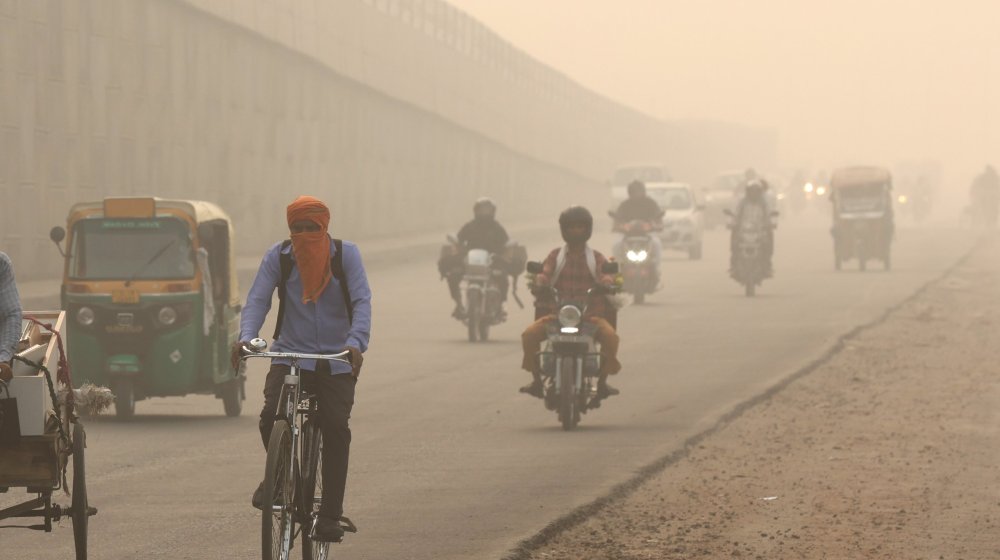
column 10, row 310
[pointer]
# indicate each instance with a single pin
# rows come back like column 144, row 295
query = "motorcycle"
column 482, row 277
column 637, row 255
column 750, row 260
column 570, row 360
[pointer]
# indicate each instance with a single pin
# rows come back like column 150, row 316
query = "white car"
column 683, row 222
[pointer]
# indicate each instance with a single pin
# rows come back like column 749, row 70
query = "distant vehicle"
column 645, row 172
column 682, row 219
column 862, row 215
column 722, row 195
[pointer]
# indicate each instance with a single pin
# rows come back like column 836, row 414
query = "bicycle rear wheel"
column 278, row 503
column 312, row 488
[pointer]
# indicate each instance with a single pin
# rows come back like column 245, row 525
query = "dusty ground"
column 889, row 450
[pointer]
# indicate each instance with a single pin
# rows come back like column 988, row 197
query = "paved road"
column 449, row 461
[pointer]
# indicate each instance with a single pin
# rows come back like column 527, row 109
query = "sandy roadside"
column 889, row 450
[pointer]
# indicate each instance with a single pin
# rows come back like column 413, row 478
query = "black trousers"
column 336, row 399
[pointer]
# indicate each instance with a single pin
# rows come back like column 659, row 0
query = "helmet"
column 755, row 189
column 576, row 215
column 750, row 174
column 636, row 188
column 484, row 208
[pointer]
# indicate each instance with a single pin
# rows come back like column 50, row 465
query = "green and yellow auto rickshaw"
column 152, row 301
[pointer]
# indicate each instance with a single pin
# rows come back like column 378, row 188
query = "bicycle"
column 294, row 465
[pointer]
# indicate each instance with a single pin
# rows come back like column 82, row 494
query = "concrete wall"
column 399, row 113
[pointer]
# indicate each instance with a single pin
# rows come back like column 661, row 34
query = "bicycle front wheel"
column 278, row 503
column 312, row 488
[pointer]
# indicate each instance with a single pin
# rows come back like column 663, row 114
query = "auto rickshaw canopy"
column 202, row 215
column 860, row 176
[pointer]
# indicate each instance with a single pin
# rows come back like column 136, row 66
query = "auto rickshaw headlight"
column 570, row 316
column 85, row 316
column 167, row 316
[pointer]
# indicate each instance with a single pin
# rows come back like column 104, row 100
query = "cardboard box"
column 28, row 385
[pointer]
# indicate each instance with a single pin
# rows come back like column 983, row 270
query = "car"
column 722, row 195
column 682, row 220
column 645, row 172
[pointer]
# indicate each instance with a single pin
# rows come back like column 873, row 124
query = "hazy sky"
column 841, row 80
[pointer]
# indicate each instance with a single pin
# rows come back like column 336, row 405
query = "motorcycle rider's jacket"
column 483, row 233
column 642, row 208
column 572, row 274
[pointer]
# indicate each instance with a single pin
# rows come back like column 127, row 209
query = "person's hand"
column 6, row 373
column 235, row 354
column 356, row 358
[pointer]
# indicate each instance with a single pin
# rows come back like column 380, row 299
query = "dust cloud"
column 841, row 82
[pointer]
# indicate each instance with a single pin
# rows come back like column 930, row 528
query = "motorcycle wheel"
column 862, row 264
column 751, row 289
column 568, row 414
column 475, row 315
column 484, row 331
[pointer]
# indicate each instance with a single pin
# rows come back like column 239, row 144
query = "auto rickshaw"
column 151, row 295
column 862, row 215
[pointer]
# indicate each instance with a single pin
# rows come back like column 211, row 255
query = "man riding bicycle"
column 325, row 308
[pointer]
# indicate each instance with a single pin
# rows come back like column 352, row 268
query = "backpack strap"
column 285, row 260
column 336, row 268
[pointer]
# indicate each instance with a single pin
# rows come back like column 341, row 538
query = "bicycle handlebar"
column 256, row 343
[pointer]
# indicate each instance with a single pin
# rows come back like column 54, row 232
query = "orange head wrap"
column 311, row 248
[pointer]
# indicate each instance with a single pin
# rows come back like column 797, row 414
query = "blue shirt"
column 320, row 327
column 10, row 310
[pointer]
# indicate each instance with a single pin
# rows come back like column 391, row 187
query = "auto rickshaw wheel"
column 124, row 391
column 80, row 506
column 233, row 395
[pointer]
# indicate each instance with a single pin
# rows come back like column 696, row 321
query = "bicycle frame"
column 289, row 408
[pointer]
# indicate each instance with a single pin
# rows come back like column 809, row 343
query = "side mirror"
column 57, row 234
column 610, row 267
column 534, row 267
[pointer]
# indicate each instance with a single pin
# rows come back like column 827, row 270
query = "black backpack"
column 336, row 267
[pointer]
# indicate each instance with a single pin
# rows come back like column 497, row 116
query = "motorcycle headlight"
column 167, row 316
column 637, row 256
column 85, row 316
column 570, row 316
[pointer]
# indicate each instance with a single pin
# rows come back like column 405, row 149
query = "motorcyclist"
column 483, row 232
column 640, row 207
column 754, row 200
column 984, row 194
column 573, row 270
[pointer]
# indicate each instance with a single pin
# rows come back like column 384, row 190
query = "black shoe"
column 327, row 529
column 258, row 496
column 604, row 391
column 459, row 312
column 535, row 389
